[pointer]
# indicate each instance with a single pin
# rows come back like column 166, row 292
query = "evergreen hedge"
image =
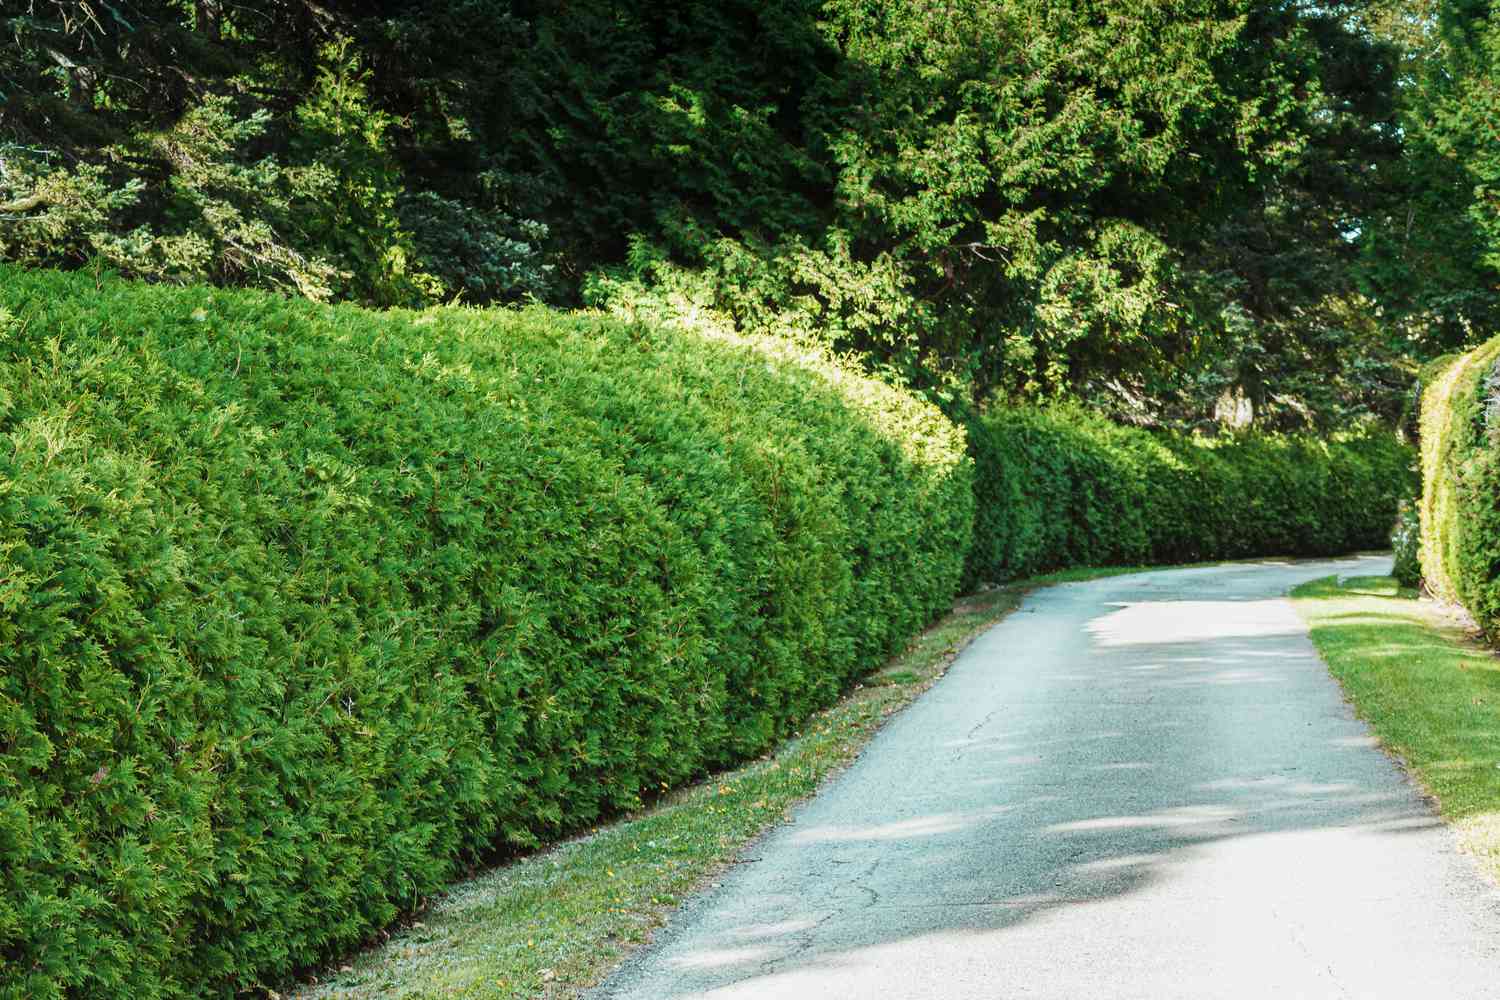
column 1460, row 507
column 302, row 607
column 1061, row 487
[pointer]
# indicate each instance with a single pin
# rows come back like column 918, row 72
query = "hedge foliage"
column 1460, row 511
column 303, row 606
column 1063, row 487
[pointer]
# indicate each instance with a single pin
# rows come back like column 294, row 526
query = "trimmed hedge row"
column 1062, row 487
column 1460, row 508
column 301, row 607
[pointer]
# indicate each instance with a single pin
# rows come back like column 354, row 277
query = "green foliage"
column 221, row 215
column 1431, row 245
column 474, row 253
column 1013, row 209
column 350, row 184
column 616, row 119
column 790, row 290
column 1406, row 544
column 1460, row 480
column 1303, row 341
column 1142, row 206
column 1014, row 157
column 1466, row 111
column 1063, row 487
column 207, row 183
column 301, row 606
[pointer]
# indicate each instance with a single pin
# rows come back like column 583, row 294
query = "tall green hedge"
column 1062, row 487
column 300, row 607
column 1460, row 511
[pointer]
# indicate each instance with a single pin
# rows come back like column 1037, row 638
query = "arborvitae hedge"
column 1062, row 487
column 301, row 606
column 1460, row 510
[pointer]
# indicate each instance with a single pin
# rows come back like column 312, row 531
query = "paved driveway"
column 1139, row 787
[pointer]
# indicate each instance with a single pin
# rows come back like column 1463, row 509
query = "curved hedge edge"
column 927, row 437
column 1435, row 441
column 1460, row 520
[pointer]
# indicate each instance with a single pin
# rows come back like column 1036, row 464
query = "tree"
column 1152, row 205
column 1430, row 246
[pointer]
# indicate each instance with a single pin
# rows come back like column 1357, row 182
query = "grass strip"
column 1429, row 691
column 554, row 923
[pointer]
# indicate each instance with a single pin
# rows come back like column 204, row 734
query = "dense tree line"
column 1167, row 208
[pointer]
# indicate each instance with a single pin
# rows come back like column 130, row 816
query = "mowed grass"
column 555, row 923
column 1430, row 692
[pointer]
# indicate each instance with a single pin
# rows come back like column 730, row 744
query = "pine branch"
column 25, row 204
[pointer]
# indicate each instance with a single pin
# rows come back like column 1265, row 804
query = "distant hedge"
column 1460, row 509
column 300, row 606
column 1062, row 487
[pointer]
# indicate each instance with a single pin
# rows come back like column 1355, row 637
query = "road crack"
column 805, row 939
column 1302, row 946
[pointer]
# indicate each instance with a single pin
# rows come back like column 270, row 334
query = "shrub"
column 1406, row 545
column 1062, row 487
column 475, row 254
column 302, row 606
column 1460, row 445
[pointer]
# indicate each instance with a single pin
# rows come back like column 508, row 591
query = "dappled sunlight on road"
column 1205, row 820
column 1157, row 622
column 722, row 957
column 757, row 932
column 1354, row 742
column 1221, row 862
column 924, row 826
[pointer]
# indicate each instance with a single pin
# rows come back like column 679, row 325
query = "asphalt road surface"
column 1139, row 787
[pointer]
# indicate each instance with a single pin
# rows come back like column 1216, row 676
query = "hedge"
column 1060, row 487
column 304, row 608
column 1460, row 508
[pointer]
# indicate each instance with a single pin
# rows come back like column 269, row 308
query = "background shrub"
column 1063, row 487
column 1406, row 544
column 301, row 606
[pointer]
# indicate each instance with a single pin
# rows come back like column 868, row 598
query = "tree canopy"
column 1168, row 208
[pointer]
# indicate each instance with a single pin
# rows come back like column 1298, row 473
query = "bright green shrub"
column 301, row 606
column 1460, row 514
column 1063, row 487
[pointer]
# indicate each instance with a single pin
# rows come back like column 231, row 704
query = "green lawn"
column 1430, row 692
column 554, row 923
